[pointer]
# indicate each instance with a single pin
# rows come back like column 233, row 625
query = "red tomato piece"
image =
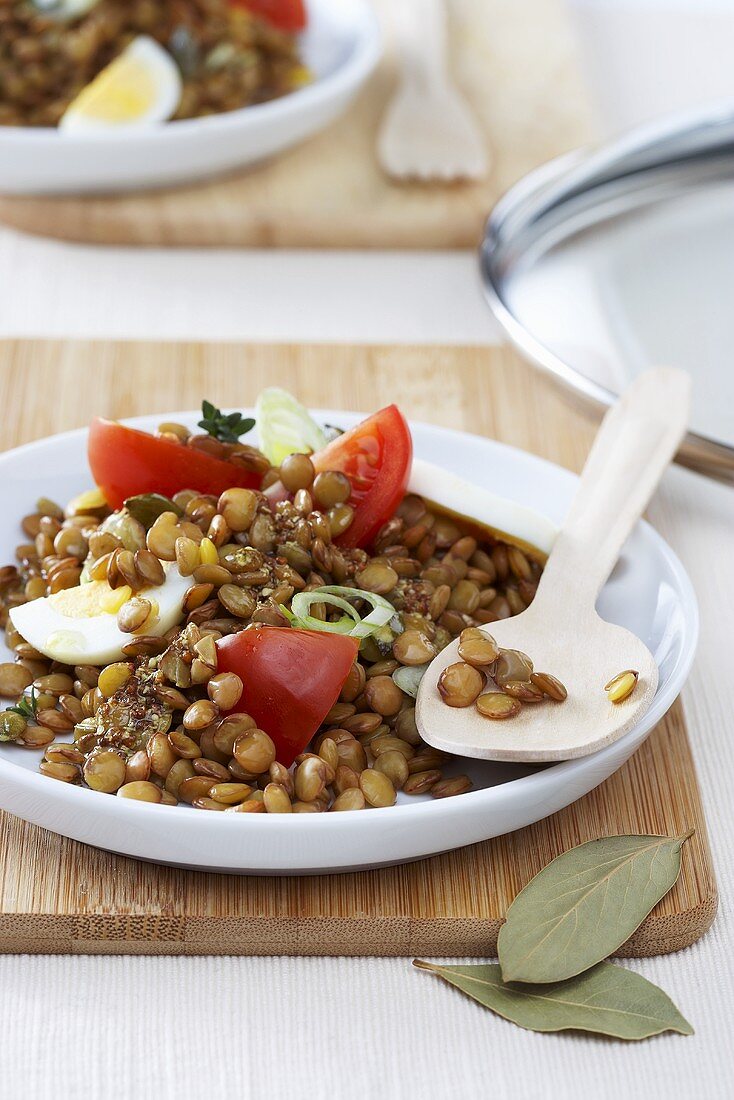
column 292, row 678
column 287, row 15
column 125, row 462
column 376, row 456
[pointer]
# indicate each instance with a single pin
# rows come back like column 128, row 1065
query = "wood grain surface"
column 60, row 896
column 516, row 65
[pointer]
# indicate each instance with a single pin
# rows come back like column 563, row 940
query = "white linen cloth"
column 106, row 1027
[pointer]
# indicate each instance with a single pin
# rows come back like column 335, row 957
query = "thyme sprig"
column 226, row 427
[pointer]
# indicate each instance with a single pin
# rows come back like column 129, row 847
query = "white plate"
column 649, row 593
column 341, row 46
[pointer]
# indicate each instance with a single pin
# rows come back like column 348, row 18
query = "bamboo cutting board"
column 60, row 896
column 515, row 63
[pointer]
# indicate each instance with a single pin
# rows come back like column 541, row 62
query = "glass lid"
column 600, row 266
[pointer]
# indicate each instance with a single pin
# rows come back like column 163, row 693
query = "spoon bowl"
column 560, row 631
column 584, row 655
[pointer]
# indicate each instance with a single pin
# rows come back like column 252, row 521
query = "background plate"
column 341, row 47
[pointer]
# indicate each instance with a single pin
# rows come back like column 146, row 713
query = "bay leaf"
column 607, row 1000
column 584, row 905
column 147, row 507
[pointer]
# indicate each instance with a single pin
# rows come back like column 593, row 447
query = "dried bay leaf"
column 584, row 905
column 147, row 507
column 607, row 999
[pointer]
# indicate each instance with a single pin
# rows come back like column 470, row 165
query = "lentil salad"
column 325, row 549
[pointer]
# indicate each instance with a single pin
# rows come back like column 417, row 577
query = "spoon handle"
column 635, row 443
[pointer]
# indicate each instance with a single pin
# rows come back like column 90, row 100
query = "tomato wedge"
column 287, row 15
column 376, row 456
column 292, row 678
column 125, row 462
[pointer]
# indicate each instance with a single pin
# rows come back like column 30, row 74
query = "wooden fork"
column 429, row 131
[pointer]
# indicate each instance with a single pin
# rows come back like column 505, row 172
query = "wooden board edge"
column 62, row 219
column 461, row 937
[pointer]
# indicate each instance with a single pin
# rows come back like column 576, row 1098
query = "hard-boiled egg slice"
column 511, row 522
column 141, row 87
column 79, row 625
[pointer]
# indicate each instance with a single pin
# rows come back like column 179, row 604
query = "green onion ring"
column 351, row 623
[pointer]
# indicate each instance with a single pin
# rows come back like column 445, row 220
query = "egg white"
column 72, row 627
column 511, row 522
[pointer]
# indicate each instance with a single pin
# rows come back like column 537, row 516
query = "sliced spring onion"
column 285, row 427
column 408, row 678
column 336, row 595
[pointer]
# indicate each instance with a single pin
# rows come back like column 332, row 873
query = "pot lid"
column 599, row 265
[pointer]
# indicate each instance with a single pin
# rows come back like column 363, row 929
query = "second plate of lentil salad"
column 284, row 688
column 230, row 111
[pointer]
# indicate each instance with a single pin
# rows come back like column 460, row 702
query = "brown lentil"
column 182, row 745
column 252, row 807
column 213, row 769
column 427, row 759
column 133, row 614
column 310, row 779
column 254, row 751
column 377, row 789
column 200, row 714
column 225, row 690
column 206, row 803
column 386, row 743
column 137, row 767
column 141, row 791
column 161, row 754
column 351, row 798
column 276, row 799
column 377, row 577
column 331, row 488
column 495, row 704
column 383, row 695
column 64, row 753
column 394, row 765
column 549, row 685
column 67, row 773
column 421, row 782
column 196, row 786
column 297, row 472
column 512, row 665
column 104, row 770
column 182, row 769
column 238, row 507
column 446, row 788
column 460, row 684
column 412, row 647
column 14, row 679
column 477, row 647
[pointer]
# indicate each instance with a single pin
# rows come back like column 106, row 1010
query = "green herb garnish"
column 226, row 427
column 147, row 507
column 27, row 707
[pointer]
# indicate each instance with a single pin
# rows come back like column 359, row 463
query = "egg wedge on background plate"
column 141, row 87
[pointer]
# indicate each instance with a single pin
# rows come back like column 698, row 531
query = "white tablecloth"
column 292, row 1028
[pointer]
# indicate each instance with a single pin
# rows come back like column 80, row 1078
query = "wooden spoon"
column 561, row 631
